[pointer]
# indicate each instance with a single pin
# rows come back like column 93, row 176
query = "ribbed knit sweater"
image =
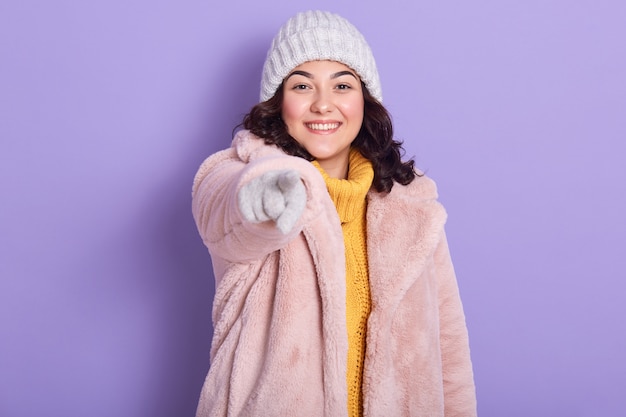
column 349, row 197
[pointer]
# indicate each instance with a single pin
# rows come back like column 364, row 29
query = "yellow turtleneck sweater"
column 349, row 198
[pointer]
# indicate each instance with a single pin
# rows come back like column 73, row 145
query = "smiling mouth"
column 322, row 126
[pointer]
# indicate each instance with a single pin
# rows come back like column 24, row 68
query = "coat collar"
column 249, row 146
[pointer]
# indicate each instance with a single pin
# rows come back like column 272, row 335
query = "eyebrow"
column 309, row 75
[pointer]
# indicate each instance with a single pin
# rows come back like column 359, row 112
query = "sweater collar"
column 349, row 195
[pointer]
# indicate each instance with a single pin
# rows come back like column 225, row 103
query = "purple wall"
column 517, row 109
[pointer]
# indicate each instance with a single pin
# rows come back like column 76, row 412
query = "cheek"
column 290, row 111
column 354, row 110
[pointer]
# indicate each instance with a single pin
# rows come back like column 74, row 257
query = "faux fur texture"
column 279, row 345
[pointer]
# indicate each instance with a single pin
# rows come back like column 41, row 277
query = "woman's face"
column 323, row 110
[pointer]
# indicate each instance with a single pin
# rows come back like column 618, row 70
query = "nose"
column 322, row 102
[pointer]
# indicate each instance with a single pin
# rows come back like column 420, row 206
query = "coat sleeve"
column 216, row 211
column 458, row 379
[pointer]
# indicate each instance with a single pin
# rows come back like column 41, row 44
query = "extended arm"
column 245, row 210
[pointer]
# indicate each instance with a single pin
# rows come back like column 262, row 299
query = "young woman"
column 335, row 292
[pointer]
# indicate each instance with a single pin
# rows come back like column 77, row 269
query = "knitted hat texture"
column 314, row 36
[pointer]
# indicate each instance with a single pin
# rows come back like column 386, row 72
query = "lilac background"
column 517, row 109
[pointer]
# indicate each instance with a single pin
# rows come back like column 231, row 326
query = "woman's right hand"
column 277, row 195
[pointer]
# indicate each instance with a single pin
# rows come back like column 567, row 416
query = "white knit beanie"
column 315, row 36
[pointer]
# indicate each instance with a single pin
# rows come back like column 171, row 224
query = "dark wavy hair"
column 375, row 139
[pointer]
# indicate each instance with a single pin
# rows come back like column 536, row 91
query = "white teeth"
column 322, row 126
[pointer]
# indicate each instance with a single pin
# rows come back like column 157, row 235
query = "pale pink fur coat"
column 280, row 341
